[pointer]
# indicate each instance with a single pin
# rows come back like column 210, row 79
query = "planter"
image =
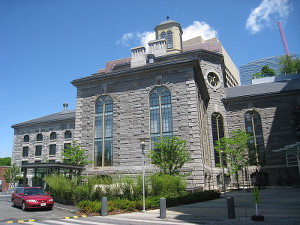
column 257, row 218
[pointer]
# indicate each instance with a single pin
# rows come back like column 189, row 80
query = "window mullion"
column 160, row 116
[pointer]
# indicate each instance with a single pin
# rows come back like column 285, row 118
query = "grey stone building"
column 43, row 139
column 181, row 88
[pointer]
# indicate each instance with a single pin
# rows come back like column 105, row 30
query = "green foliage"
column 167, row 185
column 12, row 173
column 88, row 206
column 6, row 161
column 170, row 154
column 290, row 64
column 235, row 147
column 266, row 71
column 152, row 202
column 74, row 154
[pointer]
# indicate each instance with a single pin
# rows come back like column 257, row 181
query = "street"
column 13, row 213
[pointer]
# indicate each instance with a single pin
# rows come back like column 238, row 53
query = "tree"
column 170, row 154
column 5, row 161
column 74, row 154
column 235, row 147
column 266, row 71
column 11, row 174
column 290, row 64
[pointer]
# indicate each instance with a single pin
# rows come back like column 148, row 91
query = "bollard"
column 230, row 208
column 104, row 206
column 163, row 208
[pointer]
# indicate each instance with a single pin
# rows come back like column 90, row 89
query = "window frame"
column 52, row 152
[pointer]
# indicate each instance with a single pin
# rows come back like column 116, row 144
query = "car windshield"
column 34, row 191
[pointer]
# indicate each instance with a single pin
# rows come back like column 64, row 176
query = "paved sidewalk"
column 279, row 206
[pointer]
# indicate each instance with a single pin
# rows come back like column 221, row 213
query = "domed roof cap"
column 166, row 22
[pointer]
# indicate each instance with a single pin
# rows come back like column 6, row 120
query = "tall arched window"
column 53, row 136
column 254, row 127
column 169, row 39
column 217, row 132
column 68, row 134
column 103, row 131
column 39, row 137
column 161, row 124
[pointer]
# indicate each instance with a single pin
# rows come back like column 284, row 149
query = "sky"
column 45, row 44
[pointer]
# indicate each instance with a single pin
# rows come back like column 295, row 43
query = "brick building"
column 3, row 185
column 182, row 88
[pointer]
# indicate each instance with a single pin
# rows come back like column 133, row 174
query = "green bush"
column 167, row 185
column 88, row 206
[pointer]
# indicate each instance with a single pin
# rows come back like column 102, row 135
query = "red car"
column 31, row 197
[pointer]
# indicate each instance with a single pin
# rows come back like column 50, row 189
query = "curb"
column 20, row 221
column 33, row 220
column 65, row 209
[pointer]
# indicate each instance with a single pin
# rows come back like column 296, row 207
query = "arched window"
column 103, row 131
column 218, row 132
column 163, row 35
column 254, row 127
column 53, row 136
column 161, row 124
column 169, row 39
column 26, row 138
column 39, row 137
column 68, row 134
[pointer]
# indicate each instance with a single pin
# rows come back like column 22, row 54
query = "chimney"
column 65, row 105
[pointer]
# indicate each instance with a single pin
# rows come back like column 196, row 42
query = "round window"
column 213, row 79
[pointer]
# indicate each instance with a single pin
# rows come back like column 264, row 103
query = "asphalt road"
column 7, row 212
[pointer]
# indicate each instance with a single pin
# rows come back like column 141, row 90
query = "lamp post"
column 142, row 143
column 223, row 172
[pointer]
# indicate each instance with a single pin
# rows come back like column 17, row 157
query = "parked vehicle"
column 31, row 197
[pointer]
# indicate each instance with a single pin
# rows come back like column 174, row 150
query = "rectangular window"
column 38, row 150
column 25, row 151
column 52, row 149
column 66, row 145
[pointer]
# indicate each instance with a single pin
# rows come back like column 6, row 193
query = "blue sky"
column 45, row 44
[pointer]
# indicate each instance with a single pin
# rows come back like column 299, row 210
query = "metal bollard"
column 230, row 208
column 104, row 206
column 163, row 208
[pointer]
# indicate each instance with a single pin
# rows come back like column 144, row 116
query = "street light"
column 142, row 143
column 223, row 172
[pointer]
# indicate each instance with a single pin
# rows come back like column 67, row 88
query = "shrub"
column 88, row 206
column 167, row 185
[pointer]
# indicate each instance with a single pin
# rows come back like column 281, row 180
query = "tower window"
column 169, row 39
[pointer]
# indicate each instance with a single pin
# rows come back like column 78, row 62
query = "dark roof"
column 60, row 116
column 256, row 90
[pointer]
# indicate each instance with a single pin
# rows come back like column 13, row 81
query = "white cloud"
column 194, row 30
column 198, row 29
column 267, row 14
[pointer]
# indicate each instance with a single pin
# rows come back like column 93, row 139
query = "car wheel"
column 13, row 204
column 23, row 206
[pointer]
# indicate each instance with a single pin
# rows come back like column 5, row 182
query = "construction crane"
column 286, row 48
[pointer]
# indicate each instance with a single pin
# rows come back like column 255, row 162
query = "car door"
column 18, row 197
